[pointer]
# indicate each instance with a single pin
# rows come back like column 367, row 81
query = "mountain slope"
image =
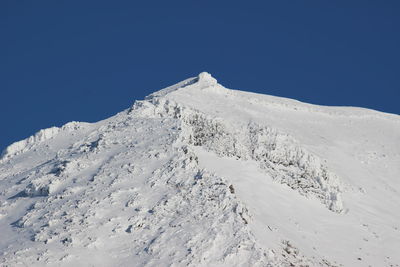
column 197, row 174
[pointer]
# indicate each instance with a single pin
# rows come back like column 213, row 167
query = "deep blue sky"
column 87, row 60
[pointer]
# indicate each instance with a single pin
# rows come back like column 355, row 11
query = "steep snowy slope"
column 200, row 175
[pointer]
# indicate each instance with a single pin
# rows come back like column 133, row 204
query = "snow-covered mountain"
column 200, row 175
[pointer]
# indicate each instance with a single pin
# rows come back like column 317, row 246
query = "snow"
column 200, row 175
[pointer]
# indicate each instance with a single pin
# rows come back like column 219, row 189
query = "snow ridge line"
column 24, row 145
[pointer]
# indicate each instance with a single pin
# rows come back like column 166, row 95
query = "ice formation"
column 200, row 175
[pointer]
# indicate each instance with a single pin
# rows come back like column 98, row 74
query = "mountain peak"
column 202, row 175
column 203, row 80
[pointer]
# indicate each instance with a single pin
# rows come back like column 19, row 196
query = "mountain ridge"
column 197, row 174
column 207, row 77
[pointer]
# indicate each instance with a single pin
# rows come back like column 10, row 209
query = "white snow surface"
column 200, row 175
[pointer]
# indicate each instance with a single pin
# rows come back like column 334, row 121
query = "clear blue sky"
column 87, row 60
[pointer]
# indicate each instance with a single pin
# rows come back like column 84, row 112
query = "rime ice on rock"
column 206, row 80
column 200, row 175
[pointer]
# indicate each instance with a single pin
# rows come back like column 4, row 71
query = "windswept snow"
column 200, row 175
